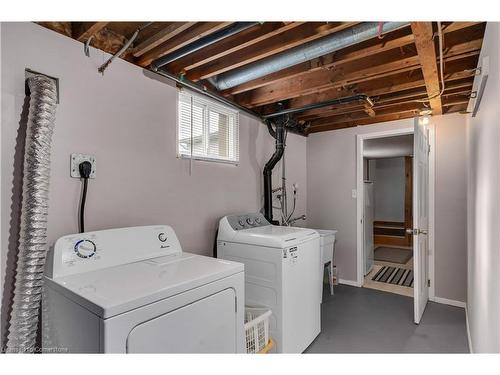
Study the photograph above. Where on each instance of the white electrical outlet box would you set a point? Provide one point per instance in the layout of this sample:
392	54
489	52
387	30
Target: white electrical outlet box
354	193
76	159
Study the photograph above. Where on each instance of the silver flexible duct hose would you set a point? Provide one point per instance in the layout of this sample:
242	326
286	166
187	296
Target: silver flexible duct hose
33	231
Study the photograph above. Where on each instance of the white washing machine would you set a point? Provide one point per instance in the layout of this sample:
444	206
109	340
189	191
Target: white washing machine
282	273
133	290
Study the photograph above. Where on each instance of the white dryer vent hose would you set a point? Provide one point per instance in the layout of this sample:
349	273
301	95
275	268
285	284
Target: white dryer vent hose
33	246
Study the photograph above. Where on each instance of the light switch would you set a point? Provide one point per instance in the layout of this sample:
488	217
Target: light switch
354	193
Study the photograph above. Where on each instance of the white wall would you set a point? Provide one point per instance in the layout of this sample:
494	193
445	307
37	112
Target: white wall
331	176
128	121
389	189
483	223
450	208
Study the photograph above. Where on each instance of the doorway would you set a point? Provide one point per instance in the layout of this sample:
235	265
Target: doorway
387	213
421	231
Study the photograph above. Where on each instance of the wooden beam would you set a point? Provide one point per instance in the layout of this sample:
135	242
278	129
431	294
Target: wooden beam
230	45
461	88
455	26
190	35
424	41
321	80
457	68
279	43
165	34
324	62
64	28
339	58
364	121
404	111
82	31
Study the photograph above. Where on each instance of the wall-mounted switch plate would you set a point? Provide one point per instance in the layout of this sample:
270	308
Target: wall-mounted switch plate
354	193
76	159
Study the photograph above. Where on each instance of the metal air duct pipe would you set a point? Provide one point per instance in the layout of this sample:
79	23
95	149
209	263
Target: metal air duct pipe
33	231
305	52
205	41
279	135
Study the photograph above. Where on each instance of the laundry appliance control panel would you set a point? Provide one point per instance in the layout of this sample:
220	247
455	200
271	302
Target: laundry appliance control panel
246	221
84	252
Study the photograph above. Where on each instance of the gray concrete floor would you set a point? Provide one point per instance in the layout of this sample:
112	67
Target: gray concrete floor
360	320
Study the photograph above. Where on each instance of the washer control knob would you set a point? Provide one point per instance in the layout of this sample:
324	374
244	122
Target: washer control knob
162	237
257	220
250	221
241	222
85	248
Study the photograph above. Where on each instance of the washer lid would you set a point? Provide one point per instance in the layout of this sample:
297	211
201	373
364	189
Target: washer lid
272	236
111	291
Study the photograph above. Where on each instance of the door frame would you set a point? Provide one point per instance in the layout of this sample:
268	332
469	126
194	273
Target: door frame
360	198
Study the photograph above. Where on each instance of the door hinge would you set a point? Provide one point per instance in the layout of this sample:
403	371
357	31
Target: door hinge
428	283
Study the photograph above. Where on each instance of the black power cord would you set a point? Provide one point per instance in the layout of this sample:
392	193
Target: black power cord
85	169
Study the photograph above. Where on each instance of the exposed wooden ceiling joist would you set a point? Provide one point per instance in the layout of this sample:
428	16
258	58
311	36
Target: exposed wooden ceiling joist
342	57
404	111
232	44
165	34
455	70
461	88
82	31
190	35
397	71
304	33
317	81
324	62
424	41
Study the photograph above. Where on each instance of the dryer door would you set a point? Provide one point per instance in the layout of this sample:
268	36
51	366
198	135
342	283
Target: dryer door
205	326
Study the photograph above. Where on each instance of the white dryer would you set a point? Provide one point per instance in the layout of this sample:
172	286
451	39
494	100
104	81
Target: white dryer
282	273
133	290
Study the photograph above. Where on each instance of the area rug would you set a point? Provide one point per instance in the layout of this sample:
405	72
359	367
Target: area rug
394	275
393	254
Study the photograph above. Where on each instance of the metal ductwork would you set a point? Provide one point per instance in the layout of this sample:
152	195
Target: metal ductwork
279	136
305	52
33	246
203	42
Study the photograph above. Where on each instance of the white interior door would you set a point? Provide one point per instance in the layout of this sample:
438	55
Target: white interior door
420	216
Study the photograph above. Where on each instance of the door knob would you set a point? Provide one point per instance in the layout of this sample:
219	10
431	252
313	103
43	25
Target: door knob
416	231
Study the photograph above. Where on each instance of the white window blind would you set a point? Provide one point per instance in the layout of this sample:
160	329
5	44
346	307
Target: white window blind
207	130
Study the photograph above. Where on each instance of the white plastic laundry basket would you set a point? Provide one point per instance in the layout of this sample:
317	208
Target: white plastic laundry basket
256	328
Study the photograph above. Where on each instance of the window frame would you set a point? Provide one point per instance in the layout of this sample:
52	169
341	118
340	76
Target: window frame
209	105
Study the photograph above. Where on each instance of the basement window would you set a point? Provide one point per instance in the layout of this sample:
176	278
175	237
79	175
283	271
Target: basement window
207	130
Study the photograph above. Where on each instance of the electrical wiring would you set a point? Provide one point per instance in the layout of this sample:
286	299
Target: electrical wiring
85	170
125	47
82	205
294	205
441	67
